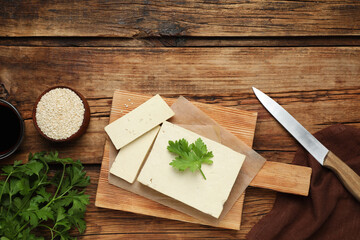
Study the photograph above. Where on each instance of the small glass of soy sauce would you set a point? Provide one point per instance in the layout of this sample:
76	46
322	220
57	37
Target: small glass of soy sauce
11	129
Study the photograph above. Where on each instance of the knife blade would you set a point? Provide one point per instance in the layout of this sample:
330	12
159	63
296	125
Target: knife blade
325	157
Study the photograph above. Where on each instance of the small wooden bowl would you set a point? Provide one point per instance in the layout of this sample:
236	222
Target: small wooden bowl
83	126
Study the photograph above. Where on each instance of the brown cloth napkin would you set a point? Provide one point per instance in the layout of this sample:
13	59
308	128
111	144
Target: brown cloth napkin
330	211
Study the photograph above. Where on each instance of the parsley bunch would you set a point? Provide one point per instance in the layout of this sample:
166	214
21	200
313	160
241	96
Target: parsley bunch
190	156
27	203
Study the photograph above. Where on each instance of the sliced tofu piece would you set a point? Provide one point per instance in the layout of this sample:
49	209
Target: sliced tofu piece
131	157
207	196
139	121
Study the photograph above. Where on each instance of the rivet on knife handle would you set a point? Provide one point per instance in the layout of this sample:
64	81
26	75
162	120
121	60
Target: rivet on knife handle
347	176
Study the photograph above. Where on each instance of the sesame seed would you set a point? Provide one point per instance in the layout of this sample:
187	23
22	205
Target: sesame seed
60	113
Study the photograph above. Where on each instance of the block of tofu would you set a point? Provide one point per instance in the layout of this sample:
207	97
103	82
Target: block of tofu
131	157
139	121
207	196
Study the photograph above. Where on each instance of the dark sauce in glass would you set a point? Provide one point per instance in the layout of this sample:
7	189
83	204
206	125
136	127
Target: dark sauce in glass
10	128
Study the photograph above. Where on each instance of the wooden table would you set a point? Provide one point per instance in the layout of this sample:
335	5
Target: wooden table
304	54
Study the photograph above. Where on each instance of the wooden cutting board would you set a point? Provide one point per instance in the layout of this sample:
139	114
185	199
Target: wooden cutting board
240	123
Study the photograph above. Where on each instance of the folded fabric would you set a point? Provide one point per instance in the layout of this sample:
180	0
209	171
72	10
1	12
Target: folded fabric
330	211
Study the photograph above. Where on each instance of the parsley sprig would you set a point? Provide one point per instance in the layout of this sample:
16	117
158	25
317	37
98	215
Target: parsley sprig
27	203
190	156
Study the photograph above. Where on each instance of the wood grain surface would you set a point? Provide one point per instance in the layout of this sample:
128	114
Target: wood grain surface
319	86
144	18
182	41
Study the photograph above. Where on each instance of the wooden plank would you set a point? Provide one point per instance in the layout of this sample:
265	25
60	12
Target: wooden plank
213	73
223	76
182	41
137	18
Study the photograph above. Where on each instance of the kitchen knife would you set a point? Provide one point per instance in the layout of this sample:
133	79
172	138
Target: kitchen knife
325	157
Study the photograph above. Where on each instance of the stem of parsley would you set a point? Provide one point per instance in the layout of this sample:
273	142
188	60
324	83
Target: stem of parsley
63	193
7	179
59	186
21	229
57	190
202	173
51	230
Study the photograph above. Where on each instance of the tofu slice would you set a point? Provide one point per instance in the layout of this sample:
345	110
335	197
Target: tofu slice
130	157
207	196
139	121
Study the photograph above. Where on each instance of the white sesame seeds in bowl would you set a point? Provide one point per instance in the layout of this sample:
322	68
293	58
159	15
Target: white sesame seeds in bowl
61	114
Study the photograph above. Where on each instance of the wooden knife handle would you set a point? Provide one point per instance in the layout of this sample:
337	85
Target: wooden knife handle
347	176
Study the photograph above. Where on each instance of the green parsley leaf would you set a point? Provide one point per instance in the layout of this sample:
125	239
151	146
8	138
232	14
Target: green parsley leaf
45	213
44	194
7	169
190	156
32	167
